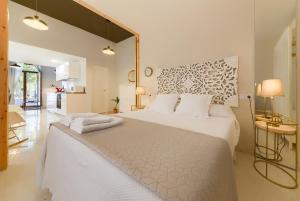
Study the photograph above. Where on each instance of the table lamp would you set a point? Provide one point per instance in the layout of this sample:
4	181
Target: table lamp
140	91
270	89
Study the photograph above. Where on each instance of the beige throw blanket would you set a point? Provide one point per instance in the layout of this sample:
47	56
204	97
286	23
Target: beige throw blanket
175	164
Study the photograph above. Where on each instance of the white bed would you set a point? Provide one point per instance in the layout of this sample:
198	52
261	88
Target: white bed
89	177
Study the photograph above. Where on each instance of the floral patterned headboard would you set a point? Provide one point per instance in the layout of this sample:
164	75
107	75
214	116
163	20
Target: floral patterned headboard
216	77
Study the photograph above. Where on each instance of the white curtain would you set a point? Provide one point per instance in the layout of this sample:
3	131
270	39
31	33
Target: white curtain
14	76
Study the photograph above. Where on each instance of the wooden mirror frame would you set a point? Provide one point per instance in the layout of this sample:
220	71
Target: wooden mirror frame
4	72
137	42
3	84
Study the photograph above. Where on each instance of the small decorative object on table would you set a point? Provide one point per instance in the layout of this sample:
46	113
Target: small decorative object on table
117	101
269	154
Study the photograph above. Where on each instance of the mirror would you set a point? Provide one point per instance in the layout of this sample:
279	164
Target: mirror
275	57
86	59
275	149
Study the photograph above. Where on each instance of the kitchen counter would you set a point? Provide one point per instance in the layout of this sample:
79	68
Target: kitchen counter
74	92
69	102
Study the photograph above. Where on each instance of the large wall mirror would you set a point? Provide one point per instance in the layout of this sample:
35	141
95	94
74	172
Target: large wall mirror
276	92
275	58
90	55
65	57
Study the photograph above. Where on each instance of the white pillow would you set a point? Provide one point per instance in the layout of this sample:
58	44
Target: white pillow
194	105
164	103
220	110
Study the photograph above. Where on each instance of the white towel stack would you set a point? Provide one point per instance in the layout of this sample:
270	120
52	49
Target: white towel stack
88	122
67	120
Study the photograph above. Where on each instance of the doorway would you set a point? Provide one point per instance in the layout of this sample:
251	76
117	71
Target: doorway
27	92
32	86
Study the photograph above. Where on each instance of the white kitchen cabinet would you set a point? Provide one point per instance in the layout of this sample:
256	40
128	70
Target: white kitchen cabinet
59	73
68	70
51	101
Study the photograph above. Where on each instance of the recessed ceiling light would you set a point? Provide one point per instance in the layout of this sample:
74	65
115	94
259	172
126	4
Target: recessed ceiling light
54	61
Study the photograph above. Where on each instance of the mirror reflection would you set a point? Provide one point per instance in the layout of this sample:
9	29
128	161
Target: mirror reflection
275	151
275	57
68	64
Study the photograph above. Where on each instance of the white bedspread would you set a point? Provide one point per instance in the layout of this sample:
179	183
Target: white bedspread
226	128
73	172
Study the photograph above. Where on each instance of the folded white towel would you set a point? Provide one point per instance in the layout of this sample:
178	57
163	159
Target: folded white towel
67	120
85	121
94	127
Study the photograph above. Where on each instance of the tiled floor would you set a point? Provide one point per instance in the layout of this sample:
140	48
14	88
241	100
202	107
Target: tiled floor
19	182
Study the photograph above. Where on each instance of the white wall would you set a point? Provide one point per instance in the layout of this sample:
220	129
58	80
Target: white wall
187	31
125	61
68	39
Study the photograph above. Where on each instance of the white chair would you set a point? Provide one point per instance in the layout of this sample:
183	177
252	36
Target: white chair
15	121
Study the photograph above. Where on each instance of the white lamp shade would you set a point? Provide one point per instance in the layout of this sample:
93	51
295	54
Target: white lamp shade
140	91
108	51
36	23
258	90
271	88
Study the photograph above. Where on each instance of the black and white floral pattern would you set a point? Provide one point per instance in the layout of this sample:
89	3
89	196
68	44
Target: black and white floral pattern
218	78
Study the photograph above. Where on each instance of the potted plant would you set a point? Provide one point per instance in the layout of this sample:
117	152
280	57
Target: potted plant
117	101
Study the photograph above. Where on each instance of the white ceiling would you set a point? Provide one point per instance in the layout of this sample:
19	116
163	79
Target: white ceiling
272	16
22	53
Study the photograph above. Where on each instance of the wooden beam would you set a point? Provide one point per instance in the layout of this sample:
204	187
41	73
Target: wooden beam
3	85
137	69
93	9
137	41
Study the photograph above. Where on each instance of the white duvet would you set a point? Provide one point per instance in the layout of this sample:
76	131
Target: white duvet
73	172
226	128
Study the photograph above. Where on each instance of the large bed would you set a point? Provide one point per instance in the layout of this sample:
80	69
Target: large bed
73	171
155	154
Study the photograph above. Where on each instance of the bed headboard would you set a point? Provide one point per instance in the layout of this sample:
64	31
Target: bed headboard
216	77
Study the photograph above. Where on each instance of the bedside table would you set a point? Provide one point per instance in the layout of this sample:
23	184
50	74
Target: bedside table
269	152
261	117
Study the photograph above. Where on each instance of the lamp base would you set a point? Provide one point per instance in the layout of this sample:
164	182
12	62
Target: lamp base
140	107
137	107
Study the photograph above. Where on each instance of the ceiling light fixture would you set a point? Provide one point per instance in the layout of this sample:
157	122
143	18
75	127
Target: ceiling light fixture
15	65
108	50
35	22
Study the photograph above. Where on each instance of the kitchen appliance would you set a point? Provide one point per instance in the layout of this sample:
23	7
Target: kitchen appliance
58	100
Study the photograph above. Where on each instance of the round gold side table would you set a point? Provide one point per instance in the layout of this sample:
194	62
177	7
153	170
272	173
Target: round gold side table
270	153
